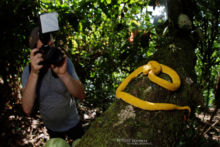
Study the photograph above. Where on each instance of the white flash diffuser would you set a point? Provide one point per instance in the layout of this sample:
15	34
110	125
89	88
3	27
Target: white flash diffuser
49	22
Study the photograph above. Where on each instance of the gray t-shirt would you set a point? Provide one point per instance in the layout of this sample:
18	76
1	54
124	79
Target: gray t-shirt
57	107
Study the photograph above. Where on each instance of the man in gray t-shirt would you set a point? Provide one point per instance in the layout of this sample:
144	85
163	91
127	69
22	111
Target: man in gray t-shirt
54	90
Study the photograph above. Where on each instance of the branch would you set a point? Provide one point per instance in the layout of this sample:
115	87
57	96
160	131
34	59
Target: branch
210	127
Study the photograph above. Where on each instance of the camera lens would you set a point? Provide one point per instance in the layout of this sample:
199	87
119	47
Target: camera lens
55	56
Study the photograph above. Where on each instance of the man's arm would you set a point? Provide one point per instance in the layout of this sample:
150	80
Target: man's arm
29	91
74	87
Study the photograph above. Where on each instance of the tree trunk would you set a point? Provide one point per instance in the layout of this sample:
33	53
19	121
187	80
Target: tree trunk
123	124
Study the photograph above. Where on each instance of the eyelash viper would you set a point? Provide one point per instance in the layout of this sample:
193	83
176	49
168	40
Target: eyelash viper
152	68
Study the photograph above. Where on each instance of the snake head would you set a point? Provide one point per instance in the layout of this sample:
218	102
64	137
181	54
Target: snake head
155	67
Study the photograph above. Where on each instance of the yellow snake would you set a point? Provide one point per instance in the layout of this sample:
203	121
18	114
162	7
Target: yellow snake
152	68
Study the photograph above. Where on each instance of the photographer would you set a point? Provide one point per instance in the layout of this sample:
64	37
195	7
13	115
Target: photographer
54	89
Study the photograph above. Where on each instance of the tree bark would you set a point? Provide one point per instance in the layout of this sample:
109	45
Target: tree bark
123	124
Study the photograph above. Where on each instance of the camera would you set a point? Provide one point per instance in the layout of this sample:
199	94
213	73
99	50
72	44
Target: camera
50	55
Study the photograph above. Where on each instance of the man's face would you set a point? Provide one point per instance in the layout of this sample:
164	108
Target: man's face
50	43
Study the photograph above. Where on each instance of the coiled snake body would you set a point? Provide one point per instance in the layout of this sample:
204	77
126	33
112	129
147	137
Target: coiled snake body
152	69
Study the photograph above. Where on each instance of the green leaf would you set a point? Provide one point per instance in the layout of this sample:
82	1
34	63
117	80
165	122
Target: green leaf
133	1
216	45
109	1
80	27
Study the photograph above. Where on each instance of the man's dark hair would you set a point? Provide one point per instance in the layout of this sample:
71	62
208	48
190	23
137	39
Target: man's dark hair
34	37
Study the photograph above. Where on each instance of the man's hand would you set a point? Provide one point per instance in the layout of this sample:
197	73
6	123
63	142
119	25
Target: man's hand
35	60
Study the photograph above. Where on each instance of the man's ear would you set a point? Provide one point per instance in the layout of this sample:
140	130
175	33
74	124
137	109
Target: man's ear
39	44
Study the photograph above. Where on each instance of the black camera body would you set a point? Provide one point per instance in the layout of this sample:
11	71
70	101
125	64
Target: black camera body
50	55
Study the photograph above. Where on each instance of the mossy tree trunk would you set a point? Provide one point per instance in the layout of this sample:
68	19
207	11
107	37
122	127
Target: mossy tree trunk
123	124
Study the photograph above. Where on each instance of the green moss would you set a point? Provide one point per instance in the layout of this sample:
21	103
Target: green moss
139	134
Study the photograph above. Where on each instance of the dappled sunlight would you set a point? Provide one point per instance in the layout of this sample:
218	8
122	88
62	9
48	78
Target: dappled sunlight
106	41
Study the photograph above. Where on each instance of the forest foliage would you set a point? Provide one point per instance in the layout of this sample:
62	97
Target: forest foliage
106	40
